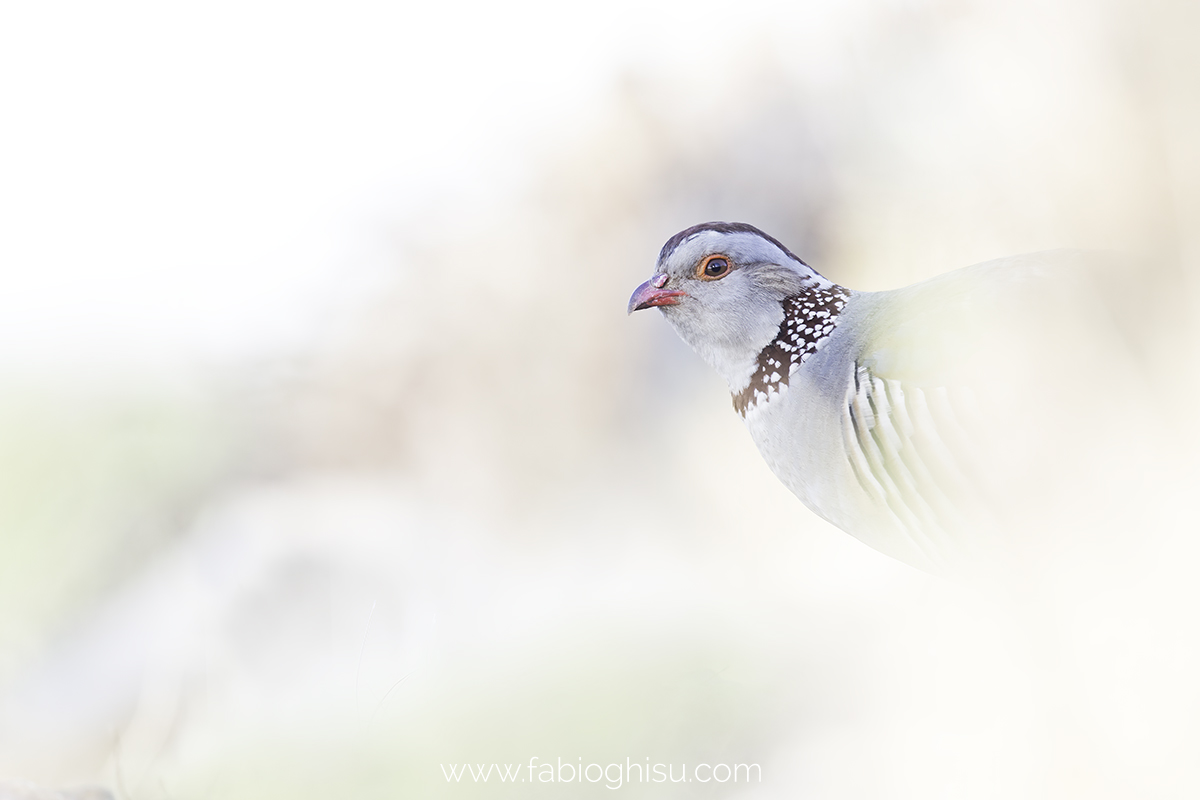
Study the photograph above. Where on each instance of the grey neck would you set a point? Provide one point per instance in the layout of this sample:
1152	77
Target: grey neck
808	319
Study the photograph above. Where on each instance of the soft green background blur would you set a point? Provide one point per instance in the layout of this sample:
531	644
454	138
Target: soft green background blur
328	455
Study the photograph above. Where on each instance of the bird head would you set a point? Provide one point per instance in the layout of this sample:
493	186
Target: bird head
721	285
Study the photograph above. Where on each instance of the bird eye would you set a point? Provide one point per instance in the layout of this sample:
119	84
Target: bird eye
712	268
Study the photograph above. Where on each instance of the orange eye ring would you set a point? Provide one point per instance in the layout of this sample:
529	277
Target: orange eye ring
714	267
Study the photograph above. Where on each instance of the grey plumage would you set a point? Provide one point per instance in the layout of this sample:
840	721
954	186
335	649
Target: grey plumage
912	418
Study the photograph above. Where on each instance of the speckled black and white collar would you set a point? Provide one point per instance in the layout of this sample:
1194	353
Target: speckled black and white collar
808	319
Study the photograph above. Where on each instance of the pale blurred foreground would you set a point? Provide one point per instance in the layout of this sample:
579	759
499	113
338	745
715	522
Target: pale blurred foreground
494	519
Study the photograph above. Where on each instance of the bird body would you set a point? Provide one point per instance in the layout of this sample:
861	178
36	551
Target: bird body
907	418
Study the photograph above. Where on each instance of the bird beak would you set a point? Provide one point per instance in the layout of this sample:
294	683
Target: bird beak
651	293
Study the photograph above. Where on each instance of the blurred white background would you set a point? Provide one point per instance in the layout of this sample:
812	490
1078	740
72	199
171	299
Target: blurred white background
328	455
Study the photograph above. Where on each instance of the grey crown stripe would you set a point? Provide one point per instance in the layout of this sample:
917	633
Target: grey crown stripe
719	227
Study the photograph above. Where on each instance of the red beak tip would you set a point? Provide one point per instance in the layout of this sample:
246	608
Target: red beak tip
649	296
